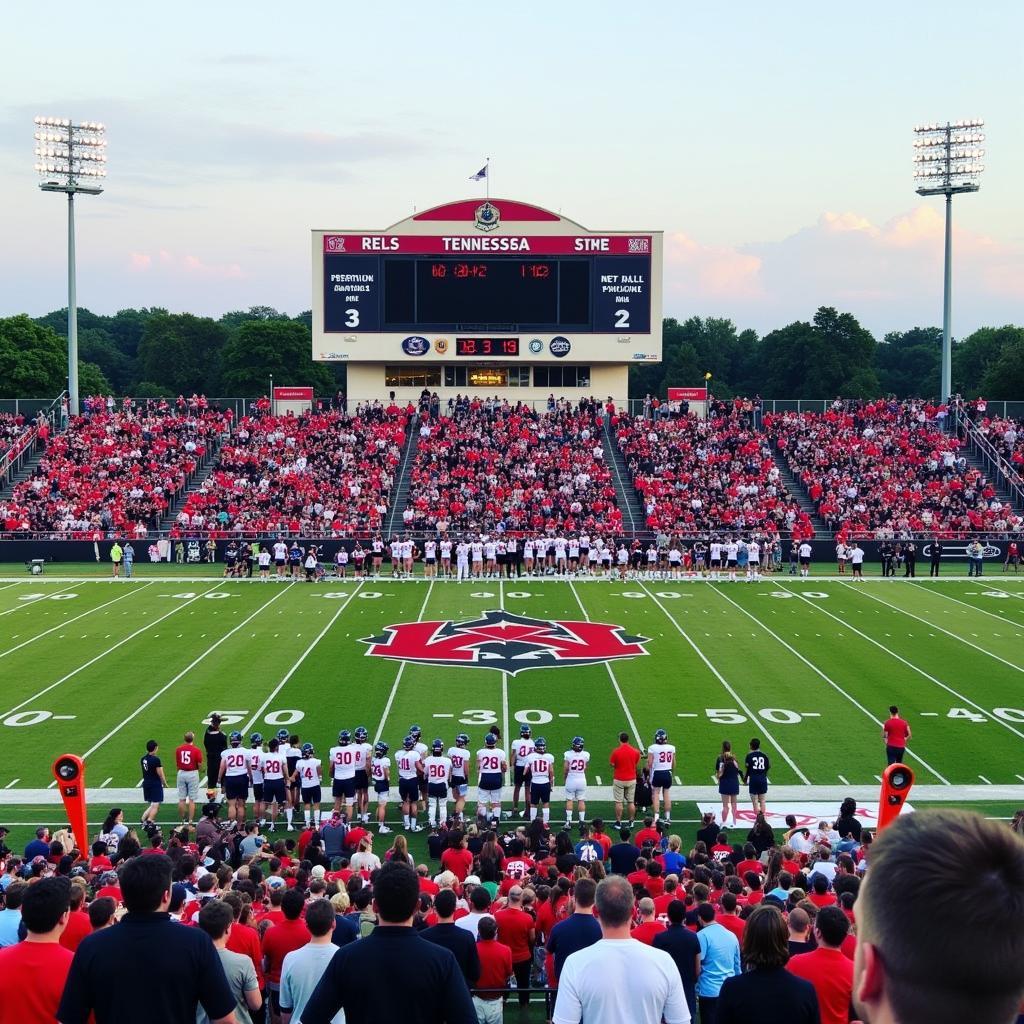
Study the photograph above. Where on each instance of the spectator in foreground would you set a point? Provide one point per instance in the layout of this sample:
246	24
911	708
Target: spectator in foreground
216	919
719	960
146	961
304	967
619	979
827	967
767	992
906	969
459	941
496	971
361	978
682	945
33	972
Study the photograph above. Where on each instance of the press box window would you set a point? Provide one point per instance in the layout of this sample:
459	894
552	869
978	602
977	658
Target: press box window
412	376
487	376
561	376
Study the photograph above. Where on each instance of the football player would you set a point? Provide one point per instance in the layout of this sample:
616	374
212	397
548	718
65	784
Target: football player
661	759
342	759
410	768
522	748
459	756
234	777
272	768
575	768
292	757
308	774
380	769
255	755
542	765
284	748
437	770
421	748
364	752
491	766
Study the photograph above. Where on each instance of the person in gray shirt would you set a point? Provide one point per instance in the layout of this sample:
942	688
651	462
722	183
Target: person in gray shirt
253	841
216	918
303	967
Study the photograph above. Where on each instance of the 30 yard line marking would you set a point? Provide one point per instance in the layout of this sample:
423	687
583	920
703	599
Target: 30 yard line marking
950	633
920	671
103	654
41	597
831	682
184	672
67	622
735	696
399	674
966	604
611	674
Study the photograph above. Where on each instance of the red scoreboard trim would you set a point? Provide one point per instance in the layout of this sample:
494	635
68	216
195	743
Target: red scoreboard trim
489	245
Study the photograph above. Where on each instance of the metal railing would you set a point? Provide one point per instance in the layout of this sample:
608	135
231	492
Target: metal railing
994	461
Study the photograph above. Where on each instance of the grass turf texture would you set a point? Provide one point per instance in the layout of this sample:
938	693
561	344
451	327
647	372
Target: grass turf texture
98	668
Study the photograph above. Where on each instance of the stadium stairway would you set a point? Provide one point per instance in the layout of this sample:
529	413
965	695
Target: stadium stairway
795	486
400	492
204	470
629	501
7	486
997	480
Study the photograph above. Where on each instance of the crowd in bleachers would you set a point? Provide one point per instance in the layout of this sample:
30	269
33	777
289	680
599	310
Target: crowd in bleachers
493	466
713	474
114	470
324	473
1007	437
886	467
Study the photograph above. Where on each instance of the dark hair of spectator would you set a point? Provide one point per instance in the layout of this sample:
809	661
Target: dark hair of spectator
44	903
144	881
765	939
396	891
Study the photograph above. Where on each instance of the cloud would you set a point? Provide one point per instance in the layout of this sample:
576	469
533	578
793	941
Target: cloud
185	266
889	275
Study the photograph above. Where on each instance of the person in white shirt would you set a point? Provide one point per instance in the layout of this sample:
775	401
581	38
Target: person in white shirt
380	770
542	767
303	967
396	557
429	559
459	757
753	560
841	554
408	554
446	559
491	765
731	551
476	551
619	979
857	560
462	561
661	760
574	764
715	559
410	767
490	558
528	556
622	557
522	748
805	558
308	774
560	547
341	561
264	562
437	768
280	557
342	759
272	768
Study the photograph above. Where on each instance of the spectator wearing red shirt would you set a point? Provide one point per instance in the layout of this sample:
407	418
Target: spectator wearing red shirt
280	939
495	968
597	833
33	972
826	968
244	939
516	930
896	733
624	760
649	926
648	834
457	858
427	884
187	760
729	919
78	925
750	861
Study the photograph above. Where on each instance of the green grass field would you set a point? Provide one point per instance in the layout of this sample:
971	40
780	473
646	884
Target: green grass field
810	666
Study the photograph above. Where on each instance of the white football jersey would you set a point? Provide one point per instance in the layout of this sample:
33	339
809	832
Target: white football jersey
272	766
437	769
664	756
309	772
255	766
576	762
459	757
522	748
380	768
237	761
407	760
343	761
541	767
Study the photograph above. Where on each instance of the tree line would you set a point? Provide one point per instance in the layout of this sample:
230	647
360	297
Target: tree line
153	352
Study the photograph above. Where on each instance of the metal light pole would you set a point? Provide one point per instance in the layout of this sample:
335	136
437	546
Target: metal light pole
70	158
946	162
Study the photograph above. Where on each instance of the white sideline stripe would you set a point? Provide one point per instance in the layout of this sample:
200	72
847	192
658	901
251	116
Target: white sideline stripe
814	668
28	604
109	650
53	629
302	657
909	664
735	696
984	611
398	676
955	636
184	672
611	674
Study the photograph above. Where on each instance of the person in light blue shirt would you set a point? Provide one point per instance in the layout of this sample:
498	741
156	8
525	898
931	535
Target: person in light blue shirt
129	560
10	916
303	967
719	960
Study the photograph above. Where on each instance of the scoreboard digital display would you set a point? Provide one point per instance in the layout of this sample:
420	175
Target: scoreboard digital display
487	347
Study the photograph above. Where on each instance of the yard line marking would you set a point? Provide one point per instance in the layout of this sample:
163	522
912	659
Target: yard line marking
878	778
7	586
973	607
568	714
843	780
831	682
181	675
948	632
52	784
53	629
912	666
443	715
103	654
401	667
983	779
679	781
929	714
611	674
1021	777
34	601
138	784
12	783
106	782
598	777
504	675
687	714
735	696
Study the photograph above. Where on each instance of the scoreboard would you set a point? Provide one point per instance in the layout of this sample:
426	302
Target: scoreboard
490	280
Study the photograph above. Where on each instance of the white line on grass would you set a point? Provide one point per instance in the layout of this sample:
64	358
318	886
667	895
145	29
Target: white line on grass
109	650
7	586
735	696
817	671
34	601
184	672
933	625
974	607
986	781
611	674
398	675
899	657
504	675
844	780
106	782
53	629
12	783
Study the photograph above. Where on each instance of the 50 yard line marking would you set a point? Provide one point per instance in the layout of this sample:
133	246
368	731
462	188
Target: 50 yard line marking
899	657
53	629
109	650
817	671
399	674
611	674
163	689
735	696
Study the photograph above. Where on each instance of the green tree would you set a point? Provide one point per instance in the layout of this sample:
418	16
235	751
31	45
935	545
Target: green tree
91	380
973	356
908	362
182	352
234	319
282	348
1004	377
33	359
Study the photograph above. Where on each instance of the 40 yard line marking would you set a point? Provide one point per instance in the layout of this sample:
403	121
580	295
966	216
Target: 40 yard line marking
974	608
184	672
817	671
611	674
109	650
398	675
899	657
53	629
735	696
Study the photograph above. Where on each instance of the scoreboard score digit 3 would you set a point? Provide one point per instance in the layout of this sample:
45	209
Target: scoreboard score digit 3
483	347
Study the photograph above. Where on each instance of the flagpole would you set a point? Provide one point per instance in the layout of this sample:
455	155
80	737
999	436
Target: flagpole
487	178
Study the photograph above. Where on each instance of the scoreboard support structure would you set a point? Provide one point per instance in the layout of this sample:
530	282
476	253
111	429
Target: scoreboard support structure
493	297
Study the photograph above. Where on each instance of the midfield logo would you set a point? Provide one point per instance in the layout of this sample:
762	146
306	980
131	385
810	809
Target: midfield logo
506	642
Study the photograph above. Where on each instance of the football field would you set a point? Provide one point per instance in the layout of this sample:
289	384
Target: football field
810	667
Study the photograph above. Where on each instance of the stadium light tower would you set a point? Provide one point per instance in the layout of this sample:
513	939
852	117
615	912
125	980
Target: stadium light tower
70	158
946	162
